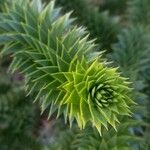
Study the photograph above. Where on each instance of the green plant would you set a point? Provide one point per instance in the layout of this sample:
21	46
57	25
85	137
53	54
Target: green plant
139	14
114	6
139	11
87	139
132	55
100	25
2	4
56	60
17	116
132	52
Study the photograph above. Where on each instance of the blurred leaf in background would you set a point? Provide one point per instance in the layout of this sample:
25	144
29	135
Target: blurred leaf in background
115	7
100	25
89	138
139	12
18	116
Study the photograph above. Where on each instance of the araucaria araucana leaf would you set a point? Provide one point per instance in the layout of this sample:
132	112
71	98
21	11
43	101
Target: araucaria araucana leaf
54	56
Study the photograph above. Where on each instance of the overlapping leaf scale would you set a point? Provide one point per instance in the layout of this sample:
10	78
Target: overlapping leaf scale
83	76
53	54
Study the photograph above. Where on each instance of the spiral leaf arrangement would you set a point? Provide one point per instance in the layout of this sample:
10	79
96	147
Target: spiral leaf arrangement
55	57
